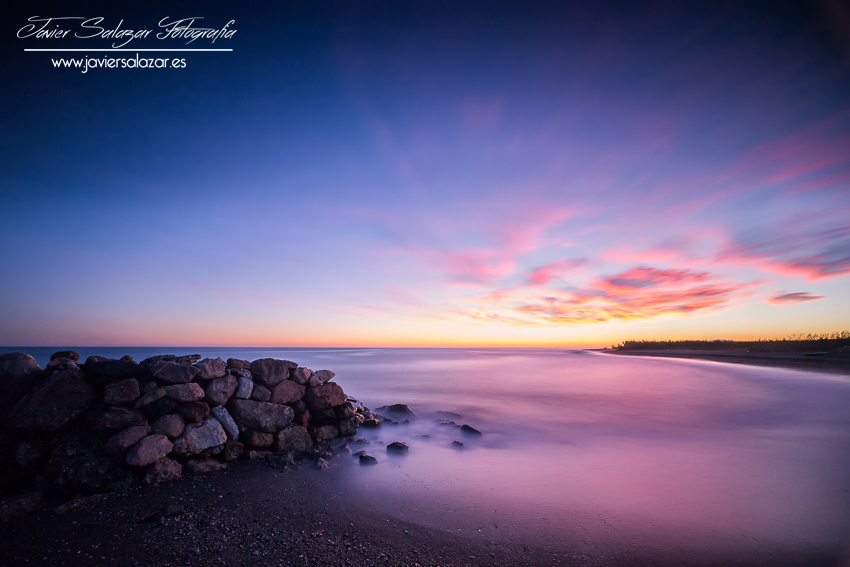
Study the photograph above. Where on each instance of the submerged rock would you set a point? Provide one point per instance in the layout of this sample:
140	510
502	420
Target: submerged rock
469	430
398	448
397	411
368	460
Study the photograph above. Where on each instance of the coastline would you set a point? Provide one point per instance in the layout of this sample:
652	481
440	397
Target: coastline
253	514
796	361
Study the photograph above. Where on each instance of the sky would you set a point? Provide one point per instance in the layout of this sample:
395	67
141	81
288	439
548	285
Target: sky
417	173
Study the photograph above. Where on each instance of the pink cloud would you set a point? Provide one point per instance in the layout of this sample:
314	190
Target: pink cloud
638	293
552	270
790	298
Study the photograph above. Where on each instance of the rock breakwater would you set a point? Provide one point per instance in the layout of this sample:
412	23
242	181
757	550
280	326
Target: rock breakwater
81	428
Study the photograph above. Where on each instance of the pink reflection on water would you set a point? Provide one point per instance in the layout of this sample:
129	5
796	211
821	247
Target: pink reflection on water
613	448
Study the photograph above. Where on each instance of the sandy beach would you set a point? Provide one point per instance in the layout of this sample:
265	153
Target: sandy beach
797	360
255	514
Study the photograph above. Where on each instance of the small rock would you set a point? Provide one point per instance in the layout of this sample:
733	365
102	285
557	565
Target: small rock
469	430
163	470
368	460
348	427
258	439
149	450
322	464
398	448
457	444
396	411
232	451
324	433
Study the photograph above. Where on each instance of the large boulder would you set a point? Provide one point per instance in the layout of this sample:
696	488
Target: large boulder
190	392
211	368
287	392
198	437
54	403
260	416
149	450
174	373
219	390
295	439
19	373
270	371
325	396
122	392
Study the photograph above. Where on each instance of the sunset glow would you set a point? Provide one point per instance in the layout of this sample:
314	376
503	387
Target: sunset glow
542	176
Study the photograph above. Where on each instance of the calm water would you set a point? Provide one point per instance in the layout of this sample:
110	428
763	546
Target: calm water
594	446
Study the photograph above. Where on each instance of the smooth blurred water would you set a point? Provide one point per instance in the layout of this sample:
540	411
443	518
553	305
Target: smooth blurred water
587	445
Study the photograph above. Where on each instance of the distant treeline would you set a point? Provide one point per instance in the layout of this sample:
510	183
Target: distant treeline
793	343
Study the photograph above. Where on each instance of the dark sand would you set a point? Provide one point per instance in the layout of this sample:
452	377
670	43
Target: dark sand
796	360
253	514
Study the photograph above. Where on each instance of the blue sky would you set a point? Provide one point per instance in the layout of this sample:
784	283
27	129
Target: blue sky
380	173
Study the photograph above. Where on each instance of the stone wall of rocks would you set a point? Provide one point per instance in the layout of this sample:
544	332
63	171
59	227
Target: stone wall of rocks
75	428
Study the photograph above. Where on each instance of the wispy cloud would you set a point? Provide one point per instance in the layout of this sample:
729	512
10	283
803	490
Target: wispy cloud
789	298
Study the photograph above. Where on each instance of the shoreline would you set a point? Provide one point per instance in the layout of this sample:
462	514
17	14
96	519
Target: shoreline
253	514
795	361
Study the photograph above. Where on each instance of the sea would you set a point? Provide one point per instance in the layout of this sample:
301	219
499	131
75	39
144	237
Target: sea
590	447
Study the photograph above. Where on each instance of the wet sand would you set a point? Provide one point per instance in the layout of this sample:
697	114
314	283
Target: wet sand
253	514
796	360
